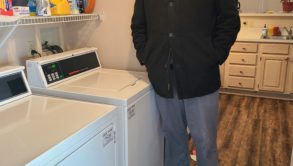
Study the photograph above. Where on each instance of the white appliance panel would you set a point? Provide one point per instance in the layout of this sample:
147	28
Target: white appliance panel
97	151
131	92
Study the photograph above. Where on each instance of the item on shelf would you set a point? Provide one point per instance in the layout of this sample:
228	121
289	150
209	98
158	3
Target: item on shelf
289	32
276	31
80	5
73	6
264	32
89	6
6	7
287	6
19	3
20	11
270	31
32	7
50	49
35	54
60	7
43	8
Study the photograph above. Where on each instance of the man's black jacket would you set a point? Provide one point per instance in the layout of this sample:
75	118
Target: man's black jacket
198	33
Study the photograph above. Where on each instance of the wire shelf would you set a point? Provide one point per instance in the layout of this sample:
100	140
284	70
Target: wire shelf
6	21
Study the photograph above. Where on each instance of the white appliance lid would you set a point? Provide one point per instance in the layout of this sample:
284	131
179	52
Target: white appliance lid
117	87
34	124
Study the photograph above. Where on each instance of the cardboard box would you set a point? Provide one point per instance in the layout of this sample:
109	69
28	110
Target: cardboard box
20	11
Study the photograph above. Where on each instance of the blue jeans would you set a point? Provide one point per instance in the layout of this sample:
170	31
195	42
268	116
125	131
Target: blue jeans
200	114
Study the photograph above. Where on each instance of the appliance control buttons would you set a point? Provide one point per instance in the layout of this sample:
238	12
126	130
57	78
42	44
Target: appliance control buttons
49	77
56	74
53	76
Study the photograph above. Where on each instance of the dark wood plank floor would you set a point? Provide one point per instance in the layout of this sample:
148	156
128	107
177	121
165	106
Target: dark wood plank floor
254	131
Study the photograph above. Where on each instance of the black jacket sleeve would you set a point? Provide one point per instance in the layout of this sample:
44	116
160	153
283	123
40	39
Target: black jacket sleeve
226	29
138	27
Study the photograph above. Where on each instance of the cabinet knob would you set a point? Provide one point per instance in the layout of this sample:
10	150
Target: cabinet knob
243	48
243	60
240	83
241	72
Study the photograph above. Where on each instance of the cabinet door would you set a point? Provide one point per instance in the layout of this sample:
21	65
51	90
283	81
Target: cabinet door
273	72
222	70
289	80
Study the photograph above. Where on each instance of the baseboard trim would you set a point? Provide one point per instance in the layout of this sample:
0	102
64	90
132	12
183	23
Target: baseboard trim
262	94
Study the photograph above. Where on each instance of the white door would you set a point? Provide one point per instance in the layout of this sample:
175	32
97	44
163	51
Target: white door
222	70
100	150
289	78
273	72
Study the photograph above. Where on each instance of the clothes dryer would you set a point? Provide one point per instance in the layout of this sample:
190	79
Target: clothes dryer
78	74
37	130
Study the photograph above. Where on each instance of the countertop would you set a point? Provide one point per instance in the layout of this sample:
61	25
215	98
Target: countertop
264	40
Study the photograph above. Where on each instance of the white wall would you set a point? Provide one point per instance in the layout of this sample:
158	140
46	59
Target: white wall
112	36
14	50
254	24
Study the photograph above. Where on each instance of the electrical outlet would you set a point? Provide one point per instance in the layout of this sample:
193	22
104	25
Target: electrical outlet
30	45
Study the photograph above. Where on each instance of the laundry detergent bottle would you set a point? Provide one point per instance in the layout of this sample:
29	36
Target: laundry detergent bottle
60	7
43	8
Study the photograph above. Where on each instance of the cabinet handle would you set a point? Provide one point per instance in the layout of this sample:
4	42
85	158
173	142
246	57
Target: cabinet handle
243	60
243	48
241	72
240	83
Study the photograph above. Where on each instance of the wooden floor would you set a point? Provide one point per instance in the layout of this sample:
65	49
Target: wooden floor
254	131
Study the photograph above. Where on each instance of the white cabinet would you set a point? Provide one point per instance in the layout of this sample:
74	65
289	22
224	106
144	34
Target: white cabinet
240	67
289	77
273	66
259	67
289	82
272	72
222	71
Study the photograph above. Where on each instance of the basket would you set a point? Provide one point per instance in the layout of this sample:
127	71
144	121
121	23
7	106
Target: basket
287	6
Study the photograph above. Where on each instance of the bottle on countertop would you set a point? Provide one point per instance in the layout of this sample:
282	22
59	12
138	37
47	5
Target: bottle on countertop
264	32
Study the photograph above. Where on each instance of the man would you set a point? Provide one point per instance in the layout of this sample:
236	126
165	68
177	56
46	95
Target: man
182	43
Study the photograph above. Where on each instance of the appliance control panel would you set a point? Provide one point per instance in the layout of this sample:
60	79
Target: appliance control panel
73	65
52	72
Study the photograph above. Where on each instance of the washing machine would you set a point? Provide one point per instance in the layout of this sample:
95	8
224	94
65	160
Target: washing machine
39	131
78	75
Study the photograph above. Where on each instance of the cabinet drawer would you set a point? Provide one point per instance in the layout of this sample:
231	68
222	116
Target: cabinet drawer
244	47
274	48
240	82
241	58
237	70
